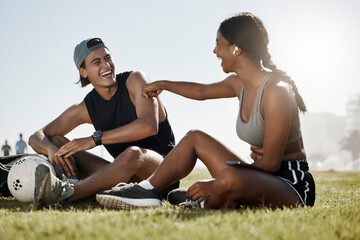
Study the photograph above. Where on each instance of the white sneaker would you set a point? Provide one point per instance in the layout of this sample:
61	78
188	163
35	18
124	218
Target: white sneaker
49	189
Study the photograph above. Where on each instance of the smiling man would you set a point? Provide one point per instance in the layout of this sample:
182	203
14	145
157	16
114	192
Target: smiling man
134	130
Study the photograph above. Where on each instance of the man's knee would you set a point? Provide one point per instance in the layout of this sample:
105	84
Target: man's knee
130	157
58	140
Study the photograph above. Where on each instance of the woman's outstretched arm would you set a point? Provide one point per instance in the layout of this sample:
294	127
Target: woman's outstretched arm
197	91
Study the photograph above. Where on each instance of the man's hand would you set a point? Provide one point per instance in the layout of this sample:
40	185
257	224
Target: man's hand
61	156
76	145
200	190
62	165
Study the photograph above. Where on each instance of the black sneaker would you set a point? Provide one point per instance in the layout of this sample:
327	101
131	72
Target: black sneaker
129	196
180	197
190	204
177	196
4	172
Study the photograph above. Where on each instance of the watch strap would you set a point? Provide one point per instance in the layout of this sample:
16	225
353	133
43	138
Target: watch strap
97	137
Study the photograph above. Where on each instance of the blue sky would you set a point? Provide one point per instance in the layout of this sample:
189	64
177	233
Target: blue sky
316	42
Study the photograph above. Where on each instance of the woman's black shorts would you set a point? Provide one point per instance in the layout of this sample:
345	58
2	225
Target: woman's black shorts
295	173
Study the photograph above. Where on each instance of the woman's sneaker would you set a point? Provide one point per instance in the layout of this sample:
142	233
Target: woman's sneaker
177	196
129	196
180	198
190	204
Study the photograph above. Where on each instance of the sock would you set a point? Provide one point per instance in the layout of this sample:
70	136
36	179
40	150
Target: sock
146	184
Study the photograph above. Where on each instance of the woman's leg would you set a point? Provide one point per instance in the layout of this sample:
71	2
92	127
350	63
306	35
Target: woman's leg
181	160
253	188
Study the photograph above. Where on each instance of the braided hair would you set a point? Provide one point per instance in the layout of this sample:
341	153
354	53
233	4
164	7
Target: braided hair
247	31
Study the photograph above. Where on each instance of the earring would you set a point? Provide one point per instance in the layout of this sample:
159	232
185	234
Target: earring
235	50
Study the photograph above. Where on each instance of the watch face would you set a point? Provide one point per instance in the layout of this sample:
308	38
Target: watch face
97	137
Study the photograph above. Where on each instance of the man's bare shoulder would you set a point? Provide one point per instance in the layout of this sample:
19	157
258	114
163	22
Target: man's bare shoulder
136	81
78	112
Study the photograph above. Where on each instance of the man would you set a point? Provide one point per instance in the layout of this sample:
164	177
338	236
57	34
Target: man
135	131
6	148
20	145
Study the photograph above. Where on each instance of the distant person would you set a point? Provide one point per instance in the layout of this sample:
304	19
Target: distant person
133	129
6	149
21	145
268	119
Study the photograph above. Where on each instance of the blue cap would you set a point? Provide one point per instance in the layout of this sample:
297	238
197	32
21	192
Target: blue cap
85	48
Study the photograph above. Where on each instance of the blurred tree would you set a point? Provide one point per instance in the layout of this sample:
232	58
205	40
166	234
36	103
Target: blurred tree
352	143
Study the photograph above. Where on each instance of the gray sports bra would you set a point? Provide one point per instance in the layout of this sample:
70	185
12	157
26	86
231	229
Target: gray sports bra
252	131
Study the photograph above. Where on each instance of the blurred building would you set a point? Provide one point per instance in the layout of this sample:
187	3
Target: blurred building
321	130
322	133
352	121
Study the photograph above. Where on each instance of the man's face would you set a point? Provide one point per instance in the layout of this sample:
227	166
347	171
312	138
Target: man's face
99	68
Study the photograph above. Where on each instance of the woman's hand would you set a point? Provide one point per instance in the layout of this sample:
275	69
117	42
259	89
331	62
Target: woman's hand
256	153
152	90
200	190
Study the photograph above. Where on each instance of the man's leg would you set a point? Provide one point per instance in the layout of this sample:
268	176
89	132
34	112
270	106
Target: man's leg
134	164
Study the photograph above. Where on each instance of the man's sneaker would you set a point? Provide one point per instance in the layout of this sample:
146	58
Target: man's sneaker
49	189
129	196
4	189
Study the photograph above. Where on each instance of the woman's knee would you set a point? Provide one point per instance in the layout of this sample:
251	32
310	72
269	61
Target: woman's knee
228	181
194	134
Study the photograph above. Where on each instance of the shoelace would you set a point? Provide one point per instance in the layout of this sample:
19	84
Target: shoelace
62	186
122	185
190	203
66	182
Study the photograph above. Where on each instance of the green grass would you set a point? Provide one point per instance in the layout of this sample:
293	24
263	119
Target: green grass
336	215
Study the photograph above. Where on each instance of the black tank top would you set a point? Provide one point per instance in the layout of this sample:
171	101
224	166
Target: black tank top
119	111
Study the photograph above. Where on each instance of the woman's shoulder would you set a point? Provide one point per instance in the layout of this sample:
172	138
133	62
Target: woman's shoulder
234	81
232	78
277	85
277	90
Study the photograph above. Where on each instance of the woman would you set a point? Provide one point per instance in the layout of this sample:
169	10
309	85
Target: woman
268	120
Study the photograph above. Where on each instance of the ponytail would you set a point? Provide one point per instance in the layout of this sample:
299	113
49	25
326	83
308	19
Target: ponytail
267	62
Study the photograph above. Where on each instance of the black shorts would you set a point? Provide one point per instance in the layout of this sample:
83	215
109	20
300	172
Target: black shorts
295	173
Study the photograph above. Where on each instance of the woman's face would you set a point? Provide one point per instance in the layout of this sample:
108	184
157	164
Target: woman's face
99	68
224	52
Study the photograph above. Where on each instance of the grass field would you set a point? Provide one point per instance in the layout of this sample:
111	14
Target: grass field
336	215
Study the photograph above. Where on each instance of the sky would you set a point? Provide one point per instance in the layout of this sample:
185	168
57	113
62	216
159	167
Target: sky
315	42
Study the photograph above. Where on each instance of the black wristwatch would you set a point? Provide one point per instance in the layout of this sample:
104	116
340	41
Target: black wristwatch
97	137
